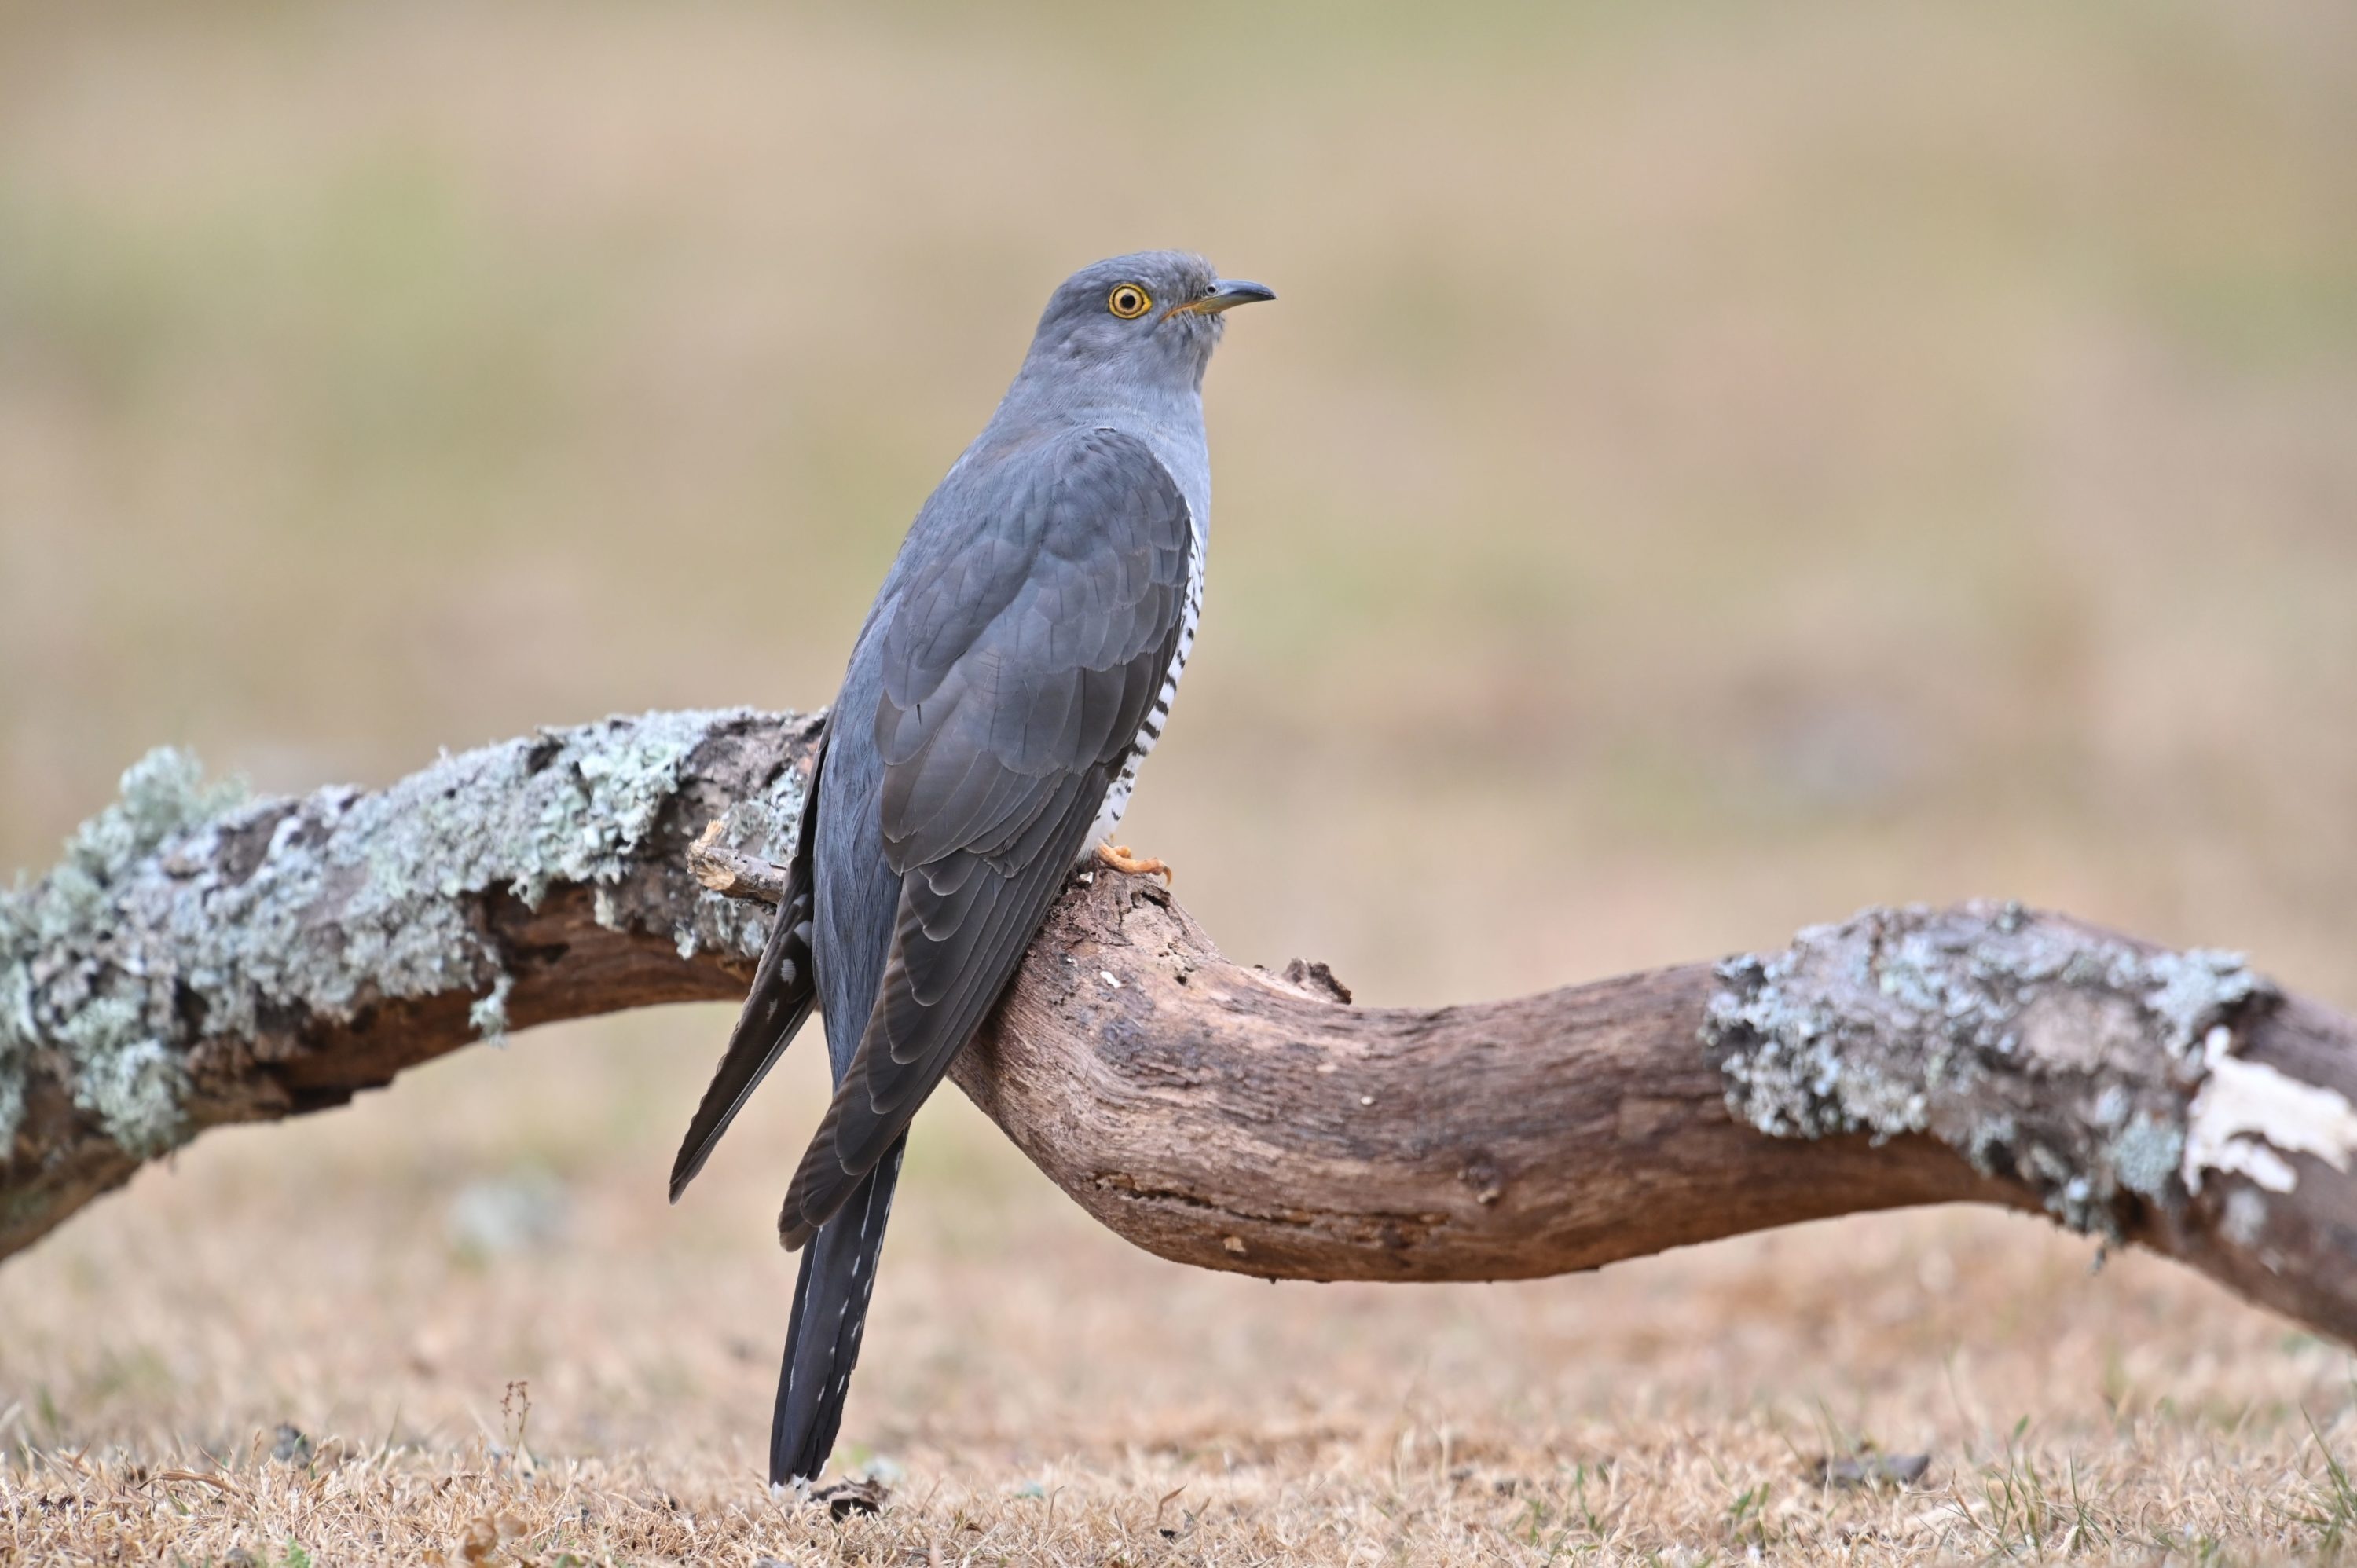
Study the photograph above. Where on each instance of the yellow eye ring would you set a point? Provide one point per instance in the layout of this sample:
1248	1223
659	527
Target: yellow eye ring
1128	301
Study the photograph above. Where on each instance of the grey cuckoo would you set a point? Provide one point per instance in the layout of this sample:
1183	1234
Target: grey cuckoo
1018	664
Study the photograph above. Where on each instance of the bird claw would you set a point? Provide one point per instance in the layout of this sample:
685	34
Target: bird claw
1117	857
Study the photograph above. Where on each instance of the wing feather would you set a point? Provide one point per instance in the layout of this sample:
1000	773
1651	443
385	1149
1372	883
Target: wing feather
1018	674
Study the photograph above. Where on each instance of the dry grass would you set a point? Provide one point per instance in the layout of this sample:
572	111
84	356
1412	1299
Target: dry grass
1036	1390
1709	470
488	1505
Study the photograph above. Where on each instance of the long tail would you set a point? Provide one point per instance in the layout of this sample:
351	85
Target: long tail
830	1297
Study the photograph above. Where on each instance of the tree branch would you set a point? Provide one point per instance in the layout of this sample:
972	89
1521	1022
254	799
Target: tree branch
200	959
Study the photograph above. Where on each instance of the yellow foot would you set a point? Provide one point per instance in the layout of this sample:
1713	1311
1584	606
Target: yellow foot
1117	857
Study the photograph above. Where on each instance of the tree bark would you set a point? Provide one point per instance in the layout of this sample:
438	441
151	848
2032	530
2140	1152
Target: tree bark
201	959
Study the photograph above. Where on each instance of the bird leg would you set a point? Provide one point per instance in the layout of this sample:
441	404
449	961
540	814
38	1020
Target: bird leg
1117	857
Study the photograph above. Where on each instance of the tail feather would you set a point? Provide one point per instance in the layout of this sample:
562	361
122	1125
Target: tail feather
831	1296
784	989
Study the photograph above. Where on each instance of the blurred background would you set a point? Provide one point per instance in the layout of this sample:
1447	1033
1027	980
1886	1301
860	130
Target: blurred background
1711	468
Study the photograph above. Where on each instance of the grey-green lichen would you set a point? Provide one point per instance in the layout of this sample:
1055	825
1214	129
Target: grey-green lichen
2042	1050
56	994
488	1017
2147	1155
187	913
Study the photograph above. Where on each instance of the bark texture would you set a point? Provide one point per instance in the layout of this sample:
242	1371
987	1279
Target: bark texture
201	959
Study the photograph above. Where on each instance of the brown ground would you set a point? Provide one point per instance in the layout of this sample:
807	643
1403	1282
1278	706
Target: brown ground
1710	469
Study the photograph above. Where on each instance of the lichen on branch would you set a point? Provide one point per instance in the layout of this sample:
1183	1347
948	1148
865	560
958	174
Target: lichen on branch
2042	1050
64	984
189	915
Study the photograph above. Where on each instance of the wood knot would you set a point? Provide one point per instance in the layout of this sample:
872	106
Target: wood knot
1314	977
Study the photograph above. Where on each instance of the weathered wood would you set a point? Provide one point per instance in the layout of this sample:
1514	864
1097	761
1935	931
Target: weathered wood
198	961
201	958
1220	1116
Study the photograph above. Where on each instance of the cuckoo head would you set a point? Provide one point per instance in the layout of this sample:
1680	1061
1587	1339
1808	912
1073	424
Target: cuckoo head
1152	317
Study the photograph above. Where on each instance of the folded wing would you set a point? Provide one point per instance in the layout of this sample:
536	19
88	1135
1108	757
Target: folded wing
1019	669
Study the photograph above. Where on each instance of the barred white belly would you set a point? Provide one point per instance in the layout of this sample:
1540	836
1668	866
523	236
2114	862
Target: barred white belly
1116	799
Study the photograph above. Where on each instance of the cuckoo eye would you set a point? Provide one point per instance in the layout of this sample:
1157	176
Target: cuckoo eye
1128	301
